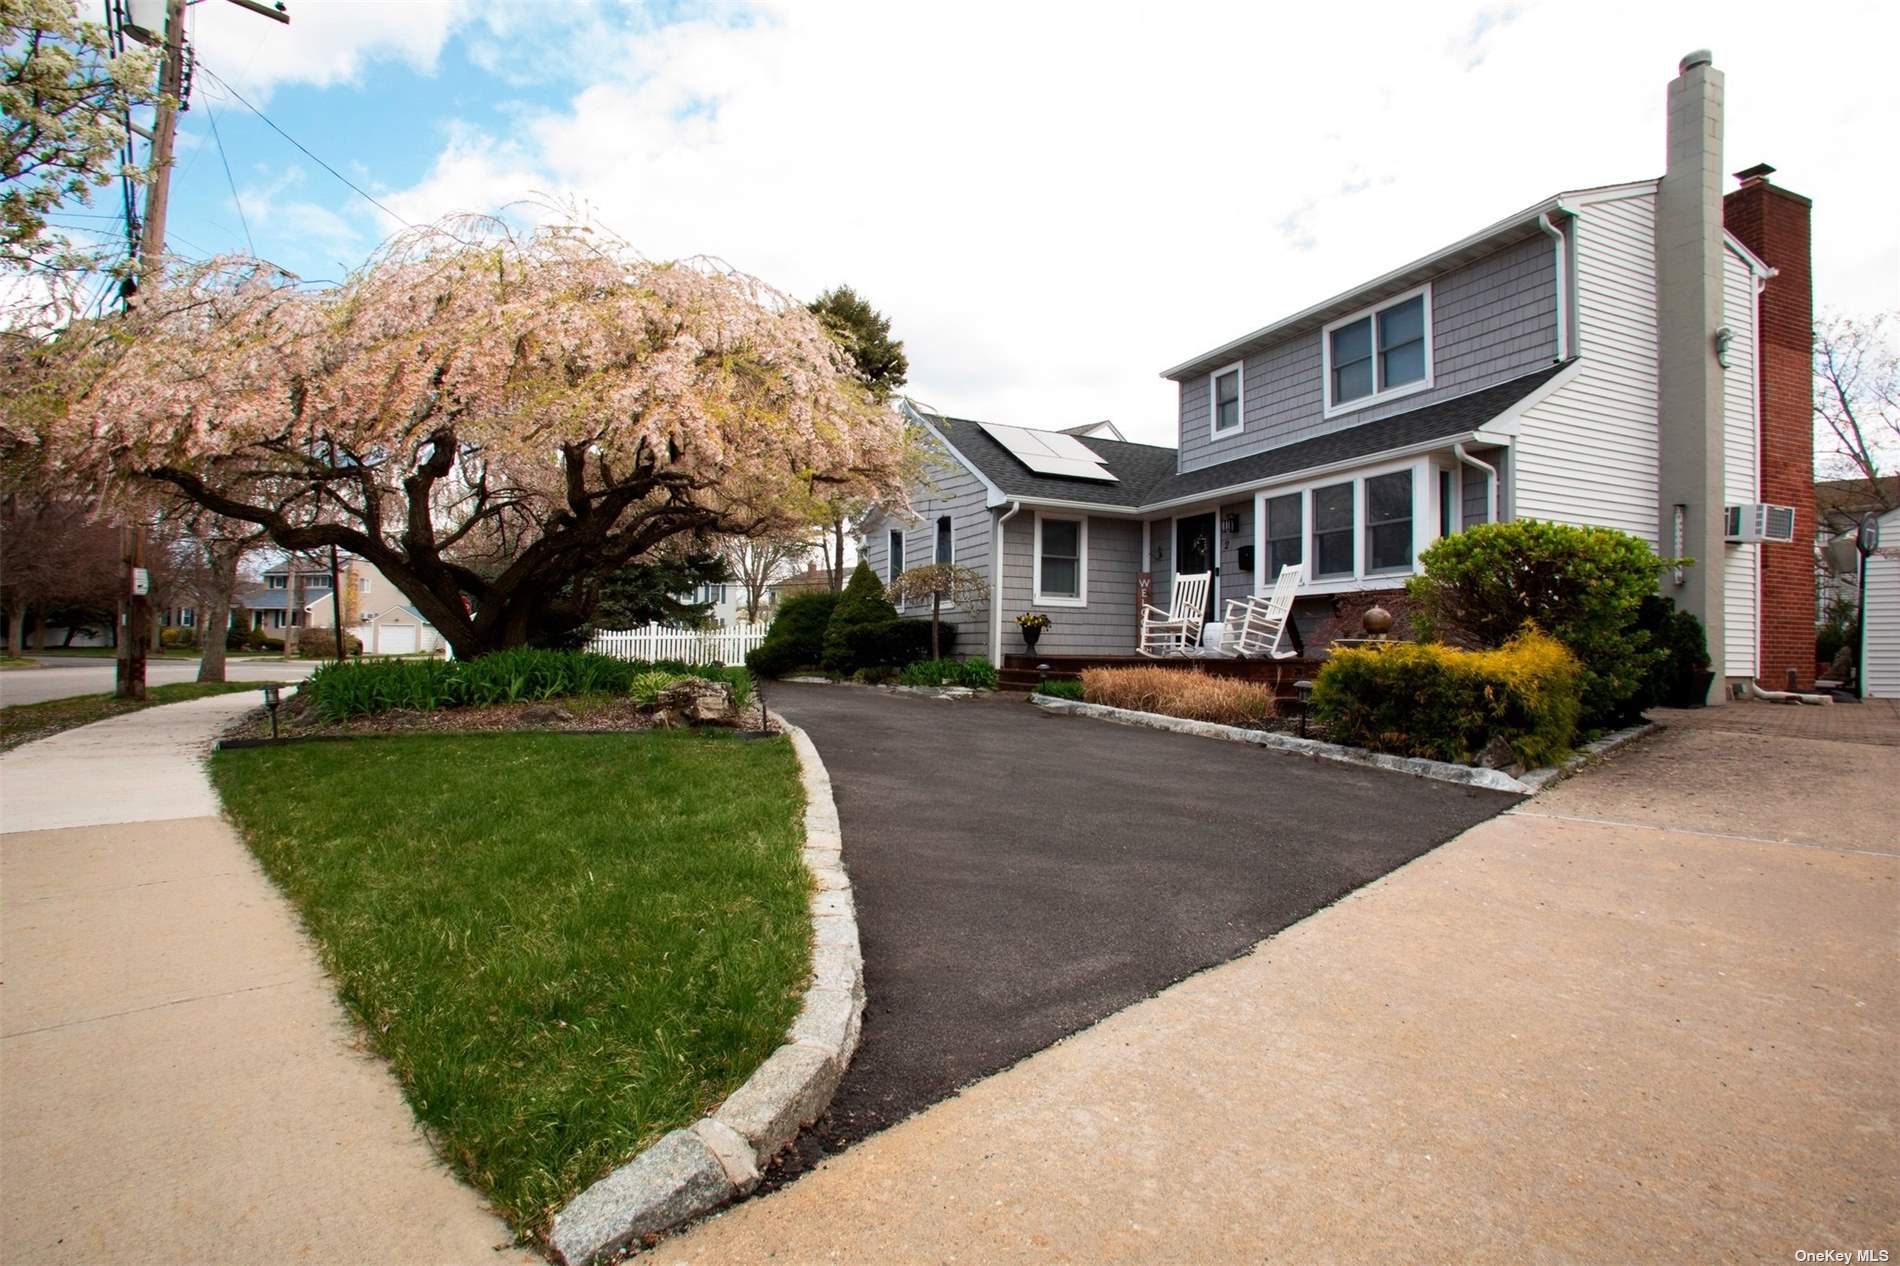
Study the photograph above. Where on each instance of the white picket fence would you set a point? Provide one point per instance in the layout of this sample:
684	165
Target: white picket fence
656	641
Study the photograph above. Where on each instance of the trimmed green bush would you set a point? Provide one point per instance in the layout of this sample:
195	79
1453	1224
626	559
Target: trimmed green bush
1439	702
796	638
978	674
1684	652
860	632
1584	586
522	675
909	641
1064	689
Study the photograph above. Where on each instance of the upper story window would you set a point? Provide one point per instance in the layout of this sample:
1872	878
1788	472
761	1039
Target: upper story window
894	565
1224	390
1380	353
946	544
277	582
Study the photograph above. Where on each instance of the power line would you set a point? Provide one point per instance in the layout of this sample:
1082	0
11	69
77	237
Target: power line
364	193
236	201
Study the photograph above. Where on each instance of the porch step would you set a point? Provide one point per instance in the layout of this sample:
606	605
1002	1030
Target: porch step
1024	680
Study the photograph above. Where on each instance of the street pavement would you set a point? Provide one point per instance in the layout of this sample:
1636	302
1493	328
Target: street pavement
62	677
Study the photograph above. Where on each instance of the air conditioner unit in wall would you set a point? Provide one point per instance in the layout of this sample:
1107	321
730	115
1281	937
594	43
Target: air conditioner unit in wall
1755	522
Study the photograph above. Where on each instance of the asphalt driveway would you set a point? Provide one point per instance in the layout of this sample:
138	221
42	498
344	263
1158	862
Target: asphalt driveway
1020	875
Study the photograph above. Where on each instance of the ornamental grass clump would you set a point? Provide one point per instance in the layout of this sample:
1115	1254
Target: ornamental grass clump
977	674
1443	703
1177	692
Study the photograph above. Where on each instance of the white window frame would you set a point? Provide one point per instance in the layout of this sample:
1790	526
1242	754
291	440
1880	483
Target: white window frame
1423	526
1214	429
1333	408
936	522
1081	598
894	550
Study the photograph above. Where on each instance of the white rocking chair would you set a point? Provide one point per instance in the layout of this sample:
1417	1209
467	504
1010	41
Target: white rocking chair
1176	631
1256	624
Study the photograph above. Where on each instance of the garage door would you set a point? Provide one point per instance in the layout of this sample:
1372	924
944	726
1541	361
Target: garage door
396	639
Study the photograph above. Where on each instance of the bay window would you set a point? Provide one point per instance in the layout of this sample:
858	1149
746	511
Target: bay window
1285	534
1333	530
1389	522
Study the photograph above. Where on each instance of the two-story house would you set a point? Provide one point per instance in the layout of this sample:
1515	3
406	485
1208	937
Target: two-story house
375	612
1633	356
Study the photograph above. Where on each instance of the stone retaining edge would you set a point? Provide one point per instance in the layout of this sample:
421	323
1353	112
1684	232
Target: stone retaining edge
1417	766
1529	784
693	1171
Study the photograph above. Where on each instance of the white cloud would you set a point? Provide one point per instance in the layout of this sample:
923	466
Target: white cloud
1053	202
327	41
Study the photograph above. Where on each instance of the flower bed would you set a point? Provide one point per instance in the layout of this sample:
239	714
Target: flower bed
342	691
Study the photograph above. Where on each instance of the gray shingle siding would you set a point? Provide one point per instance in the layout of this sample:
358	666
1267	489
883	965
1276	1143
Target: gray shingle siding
951	490
1106	626
1492	319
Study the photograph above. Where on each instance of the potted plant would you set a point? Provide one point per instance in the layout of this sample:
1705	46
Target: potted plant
1032	623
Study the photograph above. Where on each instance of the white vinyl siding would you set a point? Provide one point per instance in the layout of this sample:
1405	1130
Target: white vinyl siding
1880	625
1741	577
1588	452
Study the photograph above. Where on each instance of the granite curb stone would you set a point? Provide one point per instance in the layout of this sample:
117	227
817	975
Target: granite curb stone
1527	784
693	1171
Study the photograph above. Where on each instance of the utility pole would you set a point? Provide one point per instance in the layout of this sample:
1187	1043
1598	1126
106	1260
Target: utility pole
134	608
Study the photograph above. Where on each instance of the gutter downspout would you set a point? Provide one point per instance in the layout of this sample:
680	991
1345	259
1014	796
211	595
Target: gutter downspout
1490	480
996	585
1556	234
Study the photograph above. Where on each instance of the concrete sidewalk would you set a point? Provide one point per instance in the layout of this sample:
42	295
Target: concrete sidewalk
177	1081
1626	1022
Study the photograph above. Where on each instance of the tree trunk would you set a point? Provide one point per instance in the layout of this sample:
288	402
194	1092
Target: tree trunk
837	554
936	609
215	619
39	627
16	629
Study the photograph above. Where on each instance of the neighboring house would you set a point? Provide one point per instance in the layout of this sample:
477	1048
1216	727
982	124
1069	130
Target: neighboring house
725	603
374	611
1613	356
1839	507
1880	622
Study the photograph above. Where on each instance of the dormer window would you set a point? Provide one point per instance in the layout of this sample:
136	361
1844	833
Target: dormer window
1225	390
1380	353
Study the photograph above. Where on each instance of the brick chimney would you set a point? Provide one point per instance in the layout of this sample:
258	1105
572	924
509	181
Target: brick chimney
1689	275
1773	223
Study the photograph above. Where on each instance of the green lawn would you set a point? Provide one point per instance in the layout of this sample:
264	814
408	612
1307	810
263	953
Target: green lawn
564	944
24	722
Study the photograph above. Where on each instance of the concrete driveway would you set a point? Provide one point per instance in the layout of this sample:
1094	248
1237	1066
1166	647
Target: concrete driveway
1021	875
1648	1016
62	677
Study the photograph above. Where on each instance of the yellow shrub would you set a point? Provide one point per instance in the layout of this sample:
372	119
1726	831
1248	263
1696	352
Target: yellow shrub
1179	692
1423	699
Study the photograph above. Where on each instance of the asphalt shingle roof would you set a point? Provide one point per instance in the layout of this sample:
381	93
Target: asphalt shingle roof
1146	476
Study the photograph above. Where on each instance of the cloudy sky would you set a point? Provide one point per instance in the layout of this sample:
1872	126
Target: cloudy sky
1052	202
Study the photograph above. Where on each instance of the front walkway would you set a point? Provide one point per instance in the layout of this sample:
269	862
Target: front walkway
1649	1016
177	1081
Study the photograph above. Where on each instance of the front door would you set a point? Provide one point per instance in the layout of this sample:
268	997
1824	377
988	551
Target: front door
1194	553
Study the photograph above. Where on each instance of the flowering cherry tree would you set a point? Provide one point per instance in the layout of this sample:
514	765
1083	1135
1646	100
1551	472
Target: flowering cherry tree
492	420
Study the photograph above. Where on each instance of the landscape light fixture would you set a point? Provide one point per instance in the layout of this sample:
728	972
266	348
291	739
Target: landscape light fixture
273	698
1303	690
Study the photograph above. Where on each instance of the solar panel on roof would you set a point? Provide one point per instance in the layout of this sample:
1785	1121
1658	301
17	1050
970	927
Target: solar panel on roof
1049	453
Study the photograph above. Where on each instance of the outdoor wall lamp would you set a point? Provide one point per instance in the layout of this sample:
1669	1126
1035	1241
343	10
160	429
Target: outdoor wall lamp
1723	337
1231	521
